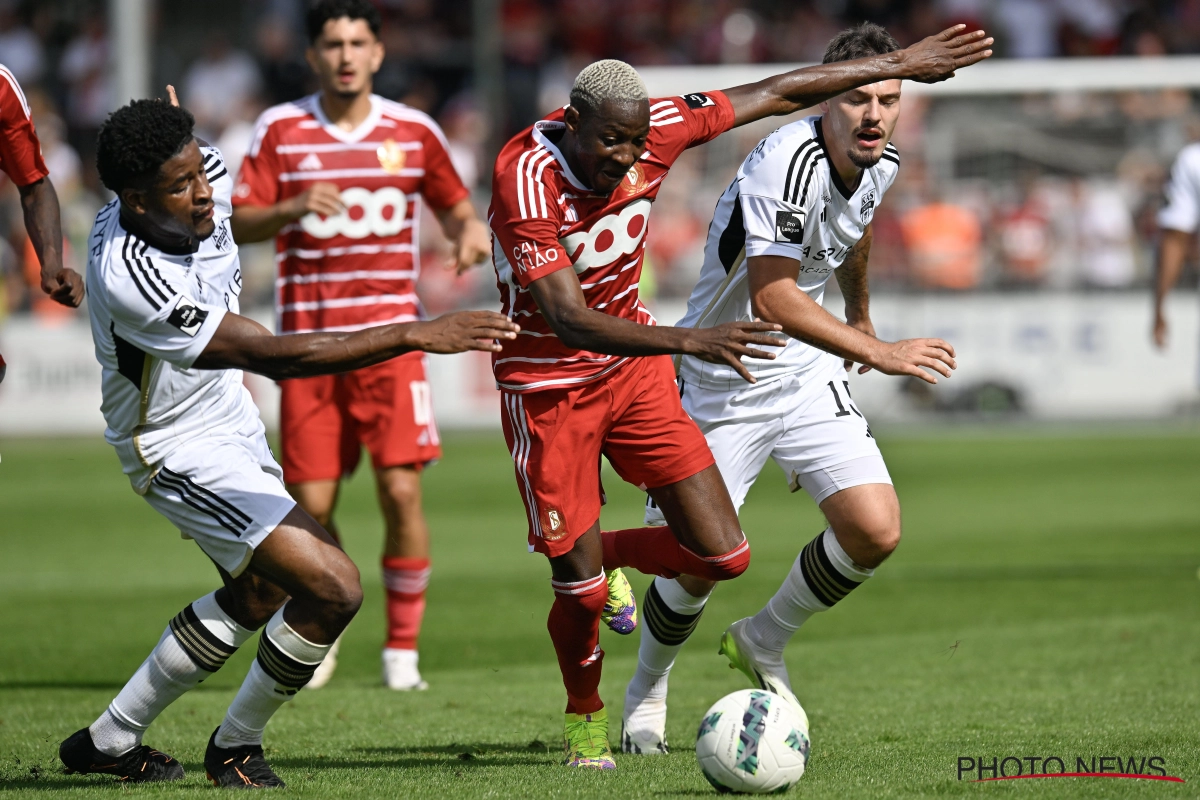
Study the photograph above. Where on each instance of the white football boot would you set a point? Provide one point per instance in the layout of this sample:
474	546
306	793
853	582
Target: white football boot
644	722
400	671
764	668
327	667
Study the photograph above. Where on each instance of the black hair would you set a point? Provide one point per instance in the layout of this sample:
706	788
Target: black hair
861	41
324	10
137	139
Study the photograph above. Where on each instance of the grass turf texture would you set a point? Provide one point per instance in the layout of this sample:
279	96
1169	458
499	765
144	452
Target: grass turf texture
1044	602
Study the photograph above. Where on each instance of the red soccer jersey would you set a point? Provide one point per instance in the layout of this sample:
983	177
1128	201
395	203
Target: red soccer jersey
545	219
20	151
359	268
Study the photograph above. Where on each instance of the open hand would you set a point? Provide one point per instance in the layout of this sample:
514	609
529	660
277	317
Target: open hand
464	330
65	286
908	356
1160	331
727	343
935	58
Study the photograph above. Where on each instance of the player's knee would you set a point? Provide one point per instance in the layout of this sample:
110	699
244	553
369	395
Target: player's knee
401	488
873	538
341	592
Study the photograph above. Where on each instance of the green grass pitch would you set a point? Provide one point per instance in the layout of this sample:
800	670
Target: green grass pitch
1044	602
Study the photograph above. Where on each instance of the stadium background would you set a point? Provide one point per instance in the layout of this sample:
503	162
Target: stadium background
1045	598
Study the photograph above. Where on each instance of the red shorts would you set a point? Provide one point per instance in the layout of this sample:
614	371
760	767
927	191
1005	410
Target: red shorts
556	437
325	421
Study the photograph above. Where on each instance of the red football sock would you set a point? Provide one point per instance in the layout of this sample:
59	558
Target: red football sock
405	580
575	630
656	551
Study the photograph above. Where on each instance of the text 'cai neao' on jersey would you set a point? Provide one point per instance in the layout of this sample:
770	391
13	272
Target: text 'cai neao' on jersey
786	200
152	314
545	219
382	212
357	268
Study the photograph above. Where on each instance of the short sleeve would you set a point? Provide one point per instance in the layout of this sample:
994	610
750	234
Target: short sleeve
441	187
775	201
677	123
258	177
150	314
1182	211
20	152
526	230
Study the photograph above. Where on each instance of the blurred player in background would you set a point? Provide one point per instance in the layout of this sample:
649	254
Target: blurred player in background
571	203
798	212
21	160
337	178
1177	223
163	283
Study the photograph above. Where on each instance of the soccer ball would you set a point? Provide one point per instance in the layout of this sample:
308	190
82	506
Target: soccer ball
753	741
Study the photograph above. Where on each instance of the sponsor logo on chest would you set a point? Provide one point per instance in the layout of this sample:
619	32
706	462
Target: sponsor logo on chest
609	238
368	213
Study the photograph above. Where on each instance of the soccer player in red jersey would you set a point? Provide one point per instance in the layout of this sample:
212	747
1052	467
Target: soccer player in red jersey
589	375
337	178
21	159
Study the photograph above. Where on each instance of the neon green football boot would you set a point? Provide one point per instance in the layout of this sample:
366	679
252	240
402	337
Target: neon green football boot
620	612
765	670
586	741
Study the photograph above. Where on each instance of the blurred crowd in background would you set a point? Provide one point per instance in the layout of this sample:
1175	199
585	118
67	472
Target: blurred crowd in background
1050	191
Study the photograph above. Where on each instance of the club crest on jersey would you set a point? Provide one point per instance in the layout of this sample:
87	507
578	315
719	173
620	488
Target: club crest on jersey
391	157
635	180
187	316
221	236
555	520
867	210
698	100
789	227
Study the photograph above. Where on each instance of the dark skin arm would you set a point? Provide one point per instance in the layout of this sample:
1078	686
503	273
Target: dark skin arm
775	297
930	60
39	202
852	280
561	301
241	343
1172	252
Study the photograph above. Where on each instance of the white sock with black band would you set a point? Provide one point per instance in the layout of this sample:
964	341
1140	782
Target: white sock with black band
285	663
197	642
821	576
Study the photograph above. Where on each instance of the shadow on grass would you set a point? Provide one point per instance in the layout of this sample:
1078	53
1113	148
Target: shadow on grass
505	754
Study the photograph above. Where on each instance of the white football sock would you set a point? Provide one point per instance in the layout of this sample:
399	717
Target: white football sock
195	645
669	615
821	576
285	663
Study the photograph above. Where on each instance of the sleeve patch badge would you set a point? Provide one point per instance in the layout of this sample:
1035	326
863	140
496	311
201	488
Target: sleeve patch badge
698	100
187	316
789	227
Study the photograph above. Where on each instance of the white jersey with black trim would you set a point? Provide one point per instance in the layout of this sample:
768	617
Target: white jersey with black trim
152	314
1182	190
784	201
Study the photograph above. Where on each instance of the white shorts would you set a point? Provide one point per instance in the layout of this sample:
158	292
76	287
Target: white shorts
225	492
808	424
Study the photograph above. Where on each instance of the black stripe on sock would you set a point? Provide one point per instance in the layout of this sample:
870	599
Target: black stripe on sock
667	625
822	577
283	669
207	651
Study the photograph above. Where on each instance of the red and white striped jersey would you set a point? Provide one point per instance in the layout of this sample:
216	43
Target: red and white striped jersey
359	268
20	151
544	219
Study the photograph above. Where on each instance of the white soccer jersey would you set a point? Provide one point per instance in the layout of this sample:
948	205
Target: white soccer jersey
152	314
1182	211
785	201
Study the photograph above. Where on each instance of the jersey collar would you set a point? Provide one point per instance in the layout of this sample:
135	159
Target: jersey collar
545	142
349	137
834	176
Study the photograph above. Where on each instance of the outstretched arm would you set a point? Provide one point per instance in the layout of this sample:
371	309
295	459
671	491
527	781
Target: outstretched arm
39	203
241	343
930	60
775	297
561	301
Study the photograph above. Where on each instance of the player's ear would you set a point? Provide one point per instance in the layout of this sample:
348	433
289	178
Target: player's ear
571	119
824	107
134	199
377	54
